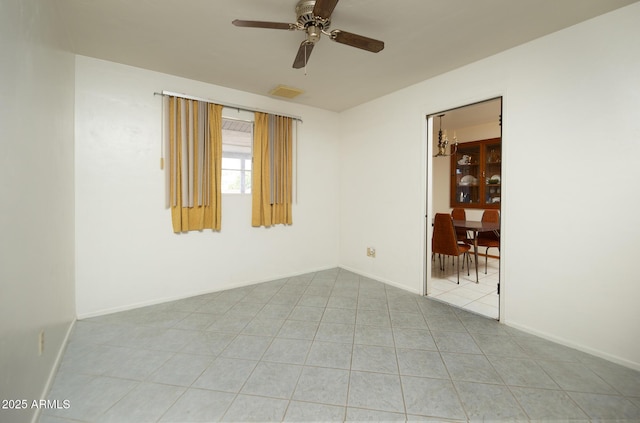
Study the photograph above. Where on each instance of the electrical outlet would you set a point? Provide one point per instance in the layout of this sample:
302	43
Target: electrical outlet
371	252
41	342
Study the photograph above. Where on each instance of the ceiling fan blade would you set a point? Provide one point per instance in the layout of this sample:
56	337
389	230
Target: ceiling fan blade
302	58
358	41
324	8
262	24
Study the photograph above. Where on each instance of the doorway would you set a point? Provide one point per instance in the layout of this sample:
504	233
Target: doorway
466	176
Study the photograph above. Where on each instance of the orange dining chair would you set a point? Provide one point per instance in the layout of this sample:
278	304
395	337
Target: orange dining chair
444	240
461	234
489	239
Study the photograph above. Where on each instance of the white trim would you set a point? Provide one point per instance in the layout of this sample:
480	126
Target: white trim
579	347
234	285
54	370
427	190
377	278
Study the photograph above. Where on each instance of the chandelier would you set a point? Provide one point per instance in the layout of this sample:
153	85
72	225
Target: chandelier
443	142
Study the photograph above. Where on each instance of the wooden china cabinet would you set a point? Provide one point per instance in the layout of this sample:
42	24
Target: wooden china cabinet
476	174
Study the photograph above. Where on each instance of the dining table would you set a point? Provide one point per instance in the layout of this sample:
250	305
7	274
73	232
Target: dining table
477	227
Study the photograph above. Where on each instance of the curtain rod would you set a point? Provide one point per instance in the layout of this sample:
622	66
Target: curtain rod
231	106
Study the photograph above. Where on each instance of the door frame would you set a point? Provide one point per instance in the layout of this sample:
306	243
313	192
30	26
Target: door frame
427	185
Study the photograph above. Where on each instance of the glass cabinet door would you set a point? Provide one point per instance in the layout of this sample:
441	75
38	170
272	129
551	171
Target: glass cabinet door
493	175
476	174
467	178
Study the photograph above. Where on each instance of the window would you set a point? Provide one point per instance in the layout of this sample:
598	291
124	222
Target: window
237	139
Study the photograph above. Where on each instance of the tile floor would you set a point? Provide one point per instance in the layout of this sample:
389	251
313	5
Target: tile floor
329	346
479	297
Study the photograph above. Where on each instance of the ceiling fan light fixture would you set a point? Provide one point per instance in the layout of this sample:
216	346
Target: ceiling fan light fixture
285	91
313	34
314	17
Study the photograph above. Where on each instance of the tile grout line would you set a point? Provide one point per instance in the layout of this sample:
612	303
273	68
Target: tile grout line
395	350
236	394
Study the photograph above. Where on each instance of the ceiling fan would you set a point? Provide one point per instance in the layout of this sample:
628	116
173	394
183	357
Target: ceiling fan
314	17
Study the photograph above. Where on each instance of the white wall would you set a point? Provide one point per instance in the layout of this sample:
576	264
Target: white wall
570	141
127	253
36	199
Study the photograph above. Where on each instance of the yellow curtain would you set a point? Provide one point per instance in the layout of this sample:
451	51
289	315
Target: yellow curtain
271	186
195	164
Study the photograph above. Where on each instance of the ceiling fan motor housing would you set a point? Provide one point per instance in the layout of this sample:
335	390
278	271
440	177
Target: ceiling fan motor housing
306	18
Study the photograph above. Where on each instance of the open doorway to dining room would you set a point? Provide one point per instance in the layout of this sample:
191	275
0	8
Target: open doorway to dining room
464	173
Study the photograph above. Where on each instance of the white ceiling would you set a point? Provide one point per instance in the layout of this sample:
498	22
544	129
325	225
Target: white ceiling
469	115
423	38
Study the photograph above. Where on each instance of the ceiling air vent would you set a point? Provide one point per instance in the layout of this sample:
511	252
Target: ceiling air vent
286	92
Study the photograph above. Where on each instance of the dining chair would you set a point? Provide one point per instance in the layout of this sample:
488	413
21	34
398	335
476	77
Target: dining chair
489	239
461	234
444	241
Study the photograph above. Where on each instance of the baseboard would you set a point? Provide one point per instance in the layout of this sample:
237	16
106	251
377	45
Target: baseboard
54	369
132	306
526	329
377	278
579	347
